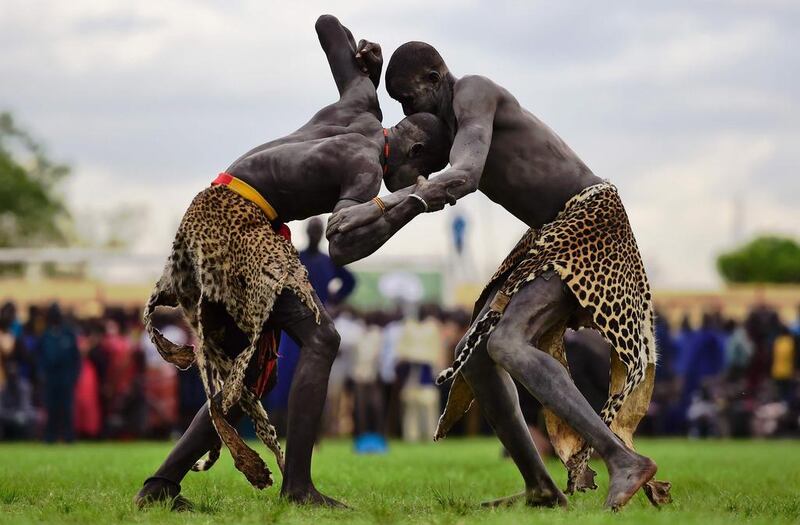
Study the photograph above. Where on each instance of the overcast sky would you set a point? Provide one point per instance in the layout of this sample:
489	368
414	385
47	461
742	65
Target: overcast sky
691	108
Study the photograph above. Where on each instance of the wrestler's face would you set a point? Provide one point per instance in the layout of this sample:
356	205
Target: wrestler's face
400	171
417	93
418	146
401	177
406	144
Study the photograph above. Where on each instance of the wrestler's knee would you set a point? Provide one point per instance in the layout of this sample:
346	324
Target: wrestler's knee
325	339
509	338
501	343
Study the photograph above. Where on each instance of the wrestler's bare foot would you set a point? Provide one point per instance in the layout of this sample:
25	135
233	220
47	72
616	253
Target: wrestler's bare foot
156	491
627	476
537	497
311	496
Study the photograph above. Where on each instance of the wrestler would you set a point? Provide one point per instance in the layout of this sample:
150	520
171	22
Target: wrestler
577	265
238	280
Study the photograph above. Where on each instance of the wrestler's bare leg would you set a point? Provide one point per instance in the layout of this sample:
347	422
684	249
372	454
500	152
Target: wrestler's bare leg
165	484
319	344
531	312
201	436
497	397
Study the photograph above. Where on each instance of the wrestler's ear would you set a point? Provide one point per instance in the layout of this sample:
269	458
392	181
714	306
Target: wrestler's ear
434	77
416	150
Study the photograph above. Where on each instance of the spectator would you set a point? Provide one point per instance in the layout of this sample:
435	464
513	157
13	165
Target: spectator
133	407
387	372
60	362
96	355
664	415
367	394
337	418
118	354
668	349
762	327
702	357
419	350
34	327
17	415
322	272
8	316
10	347
783	362
738	350
88	413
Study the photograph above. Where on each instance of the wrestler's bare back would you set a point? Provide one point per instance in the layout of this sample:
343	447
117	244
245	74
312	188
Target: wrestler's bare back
328	159
529	170
305	179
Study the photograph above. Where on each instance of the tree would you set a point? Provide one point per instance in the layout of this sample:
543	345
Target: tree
32	212
766	259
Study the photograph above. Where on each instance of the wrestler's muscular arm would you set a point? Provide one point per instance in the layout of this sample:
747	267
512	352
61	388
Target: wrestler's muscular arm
356	71
354	234
363	184
475	101
340	49
358	243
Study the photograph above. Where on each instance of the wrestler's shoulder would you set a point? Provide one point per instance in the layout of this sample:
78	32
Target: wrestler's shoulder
472	87
477	82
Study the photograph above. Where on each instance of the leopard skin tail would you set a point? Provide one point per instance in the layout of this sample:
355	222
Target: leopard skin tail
205	464
182	356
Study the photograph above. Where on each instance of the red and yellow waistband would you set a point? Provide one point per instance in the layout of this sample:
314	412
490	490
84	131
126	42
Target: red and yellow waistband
248	192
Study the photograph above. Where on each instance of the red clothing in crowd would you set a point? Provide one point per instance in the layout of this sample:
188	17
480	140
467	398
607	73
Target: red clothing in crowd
88	414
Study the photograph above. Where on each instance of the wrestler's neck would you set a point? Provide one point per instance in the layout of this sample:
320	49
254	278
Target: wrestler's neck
378	140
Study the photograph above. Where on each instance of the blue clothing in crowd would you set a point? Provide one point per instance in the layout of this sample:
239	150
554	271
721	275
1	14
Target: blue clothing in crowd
60	363
668	351
321	272
702	355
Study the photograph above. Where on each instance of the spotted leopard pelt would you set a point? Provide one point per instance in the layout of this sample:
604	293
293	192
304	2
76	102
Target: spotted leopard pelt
226	251
591	246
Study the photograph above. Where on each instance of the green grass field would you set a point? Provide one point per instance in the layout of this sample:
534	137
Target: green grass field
713	482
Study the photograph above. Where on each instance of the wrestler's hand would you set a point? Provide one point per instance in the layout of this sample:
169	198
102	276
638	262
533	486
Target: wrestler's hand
370	58
352	217
436	193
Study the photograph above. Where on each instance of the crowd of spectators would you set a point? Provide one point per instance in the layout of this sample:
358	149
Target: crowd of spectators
64	378
719	378
728	378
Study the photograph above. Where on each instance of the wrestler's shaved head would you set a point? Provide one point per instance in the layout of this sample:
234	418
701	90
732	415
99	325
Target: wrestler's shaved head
418	145
414	75
411	58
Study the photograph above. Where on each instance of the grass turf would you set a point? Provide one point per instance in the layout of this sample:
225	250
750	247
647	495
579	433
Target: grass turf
713	482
